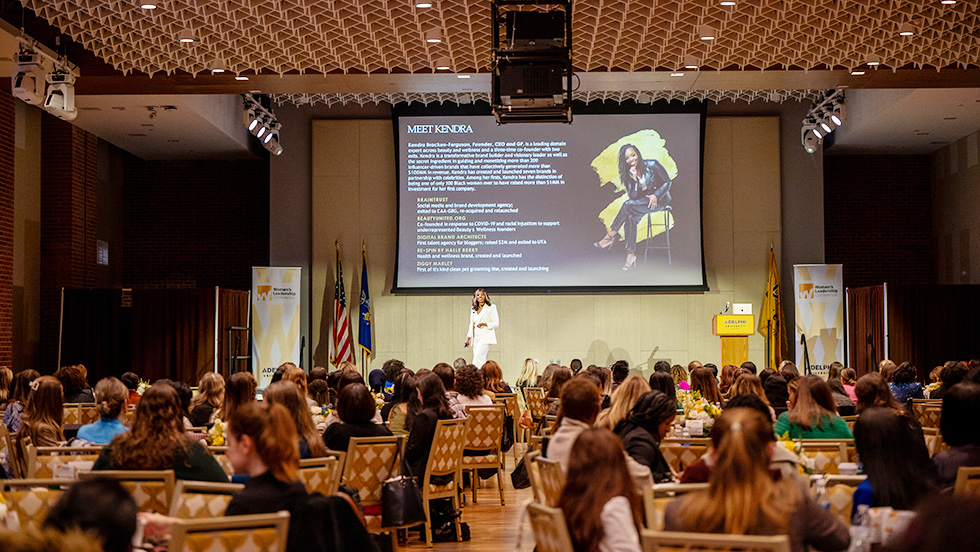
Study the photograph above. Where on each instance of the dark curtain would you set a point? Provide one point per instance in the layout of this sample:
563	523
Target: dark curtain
233	311
865	328
173	333
928	325
95	332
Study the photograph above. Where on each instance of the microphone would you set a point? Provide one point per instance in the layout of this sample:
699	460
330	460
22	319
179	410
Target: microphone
802	339
728	305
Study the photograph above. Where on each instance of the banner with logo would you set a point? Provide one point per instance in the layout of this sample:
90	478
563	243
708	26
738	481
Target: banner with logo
819	315
275	320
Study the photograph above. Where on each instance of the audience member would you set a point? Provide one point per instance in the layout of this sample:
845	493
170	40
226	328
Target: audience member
44	415
895	459
469	385
885	368
903	384
959	429
459	363
679	375
210	396
812	412
743	499
392	368
834	370
529	374
789	371
750	366
157	442
845	406
239	390
20	389
944	523
132	383
111	397
580	408
605	381
871	391
848	378
320	392
643	429
622	401
662	366
99	506
376	379
661	381
559	378
602	510
545	379
777	393
750	384
620	370
434	407
713	368
493	378
6	378
320	373
575	366
727	379
445	373
764	375
297	376
184	397
74	384
396	410
952	373
290	396
703	382
356	409
277	375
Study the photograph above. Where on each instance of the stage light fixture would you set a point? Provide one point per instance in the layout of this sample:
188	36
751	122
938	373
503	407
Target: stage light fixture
809	139
27	79
60	100
839	114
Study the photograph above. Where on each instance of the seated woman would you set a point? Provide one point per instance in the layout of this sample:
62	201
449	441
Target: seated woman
396	410
661	381
703	381
601	507
749	384
845	406
111	397
348	377
286	394
262	444
871	391
493	378
559	378
895	459
296	375
623	400
960	431
210	397
74	384
356	409
812	413
643	429
20	388
239	390
742	497
98	506
777	392
903	384
157	442
469	386
435	407
44	416
848	378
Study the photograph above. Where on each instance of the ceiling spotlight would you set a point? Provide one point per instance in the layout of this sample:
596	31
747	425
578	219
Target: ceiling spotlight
706	32
433	36
423	4
947	2
825	126
185	36
873	60
148	5
809	140
241	78
817	130
727	3
462	76
60	100
28	77
273	132
274	148
838	114
690	62
217	67
906	29
442	64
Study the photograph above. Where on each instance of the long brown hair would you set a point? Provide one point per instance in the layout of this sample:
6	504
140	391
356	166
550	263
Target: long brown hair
211	390
486	299
6	376
110	397
44	414
814	403
239	390
741	498
727	378
273	432
704	381
20	389
492	377
749	384
287	394
872	390
597	472
296	375
158	432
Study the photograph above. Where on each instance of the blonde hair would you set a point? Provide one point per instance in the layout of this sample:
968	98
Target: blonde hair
296	375
347	367
741	498
6	377
678	373
529	373
211	390
110	397
622	401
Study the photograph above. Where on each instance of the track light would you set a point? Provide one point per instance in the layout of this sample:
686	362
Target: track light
28	77
261	123
60	100
809	139
839	114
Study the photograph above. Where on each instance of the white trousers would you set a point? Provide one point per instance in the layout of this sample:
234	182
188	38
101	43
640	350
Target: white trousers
480	351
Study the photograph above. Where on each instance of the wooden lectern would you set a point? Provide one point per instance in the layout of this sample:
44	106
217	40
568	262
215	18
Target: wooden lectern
734	331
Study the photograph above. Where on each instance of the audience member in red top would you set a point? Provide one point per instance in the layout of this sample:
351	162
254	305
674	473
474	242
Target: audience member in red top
132	382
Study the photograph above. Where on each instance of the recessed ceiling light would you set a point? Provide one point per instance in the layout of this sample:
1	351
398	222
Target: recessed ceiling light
148	5
442	64
727	3
423	4
433	36
677	74
906	30
185	36
690	62
462	76
706	32
857	72
217	67
241	78
947	2
873	60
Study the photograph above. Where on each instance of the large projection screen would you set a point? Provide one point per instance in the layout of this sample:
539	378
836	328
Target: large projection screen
522	207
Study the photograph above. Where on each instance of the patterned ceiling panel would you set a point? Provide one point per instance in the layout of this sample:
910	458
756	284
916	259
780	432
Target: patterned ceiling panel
371	36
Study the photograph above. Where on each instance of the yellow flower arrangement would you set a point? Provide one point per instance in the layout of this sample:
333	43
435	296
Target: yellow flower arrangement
697	408
216	435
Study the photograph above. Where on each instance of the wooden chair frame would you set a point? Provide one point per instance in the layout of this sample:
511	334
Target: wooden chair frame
964	477
183	528
514	411
670	540
394	469
138	476
550	481
45	486
428	494
201	488
652	516
549	528
326	464
32	460
472	463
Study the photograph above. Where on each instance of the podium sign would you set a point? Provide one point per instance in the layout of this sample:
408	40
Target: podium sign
734	331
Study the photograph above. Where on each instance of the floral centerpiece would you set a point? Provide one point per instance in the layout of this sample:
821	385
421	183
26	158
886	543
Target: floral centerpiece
932	387
804	464
142	387
379	400
319	415
697	408
216	435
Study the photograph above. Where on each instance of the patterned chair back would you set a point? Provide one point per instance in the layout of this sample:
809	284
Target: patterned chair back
825	454
679	456
72	414
258	533
927	411
934	441
221	456
840	493
88	413
370	461
552	481
44	462
550	530
152	490
670	541
447	448
199	499
485	429
967	482
322	475
31	499
656	497
537	402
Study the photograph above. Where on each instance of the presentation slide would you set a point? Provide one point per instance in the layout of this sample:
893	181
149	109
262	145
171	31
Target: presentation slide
610	201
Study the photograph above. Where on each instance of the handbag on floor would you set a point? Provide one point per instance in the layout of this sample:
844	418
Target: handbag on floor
401	499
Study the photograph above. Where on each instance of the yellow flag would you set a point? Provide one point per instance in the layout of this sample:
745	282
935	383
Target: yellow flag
771	317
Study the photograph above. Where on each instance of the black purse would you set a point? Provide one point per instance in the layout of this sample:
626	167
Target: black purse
401	499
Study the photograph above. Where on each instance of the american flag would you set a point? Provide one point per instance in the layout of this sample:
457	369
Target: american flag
343	352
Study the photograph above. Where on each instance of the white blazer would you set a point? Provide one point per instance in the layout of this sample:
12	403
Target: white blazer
486	334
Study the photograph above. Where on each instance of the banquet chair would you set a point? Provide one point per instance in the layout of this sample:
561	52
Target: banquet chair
88	413
152	490
679	456
320	475
221	456
550	478
934	440
549	528
670	541
264	532
666	216
445	459
825	454
514	412
371	461
927	411
71	414
537	403
967	482
59	462
656	497
482	443
31	499
202	499
7	451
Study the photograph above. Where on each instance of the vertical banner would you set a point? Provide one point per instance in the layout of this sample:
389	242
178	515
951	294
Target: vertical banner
275	320
819	315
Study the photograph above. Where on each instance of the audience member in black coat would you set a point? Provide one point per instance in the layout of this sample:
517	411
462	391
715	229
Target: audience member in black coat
644	427
355	407
422	425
